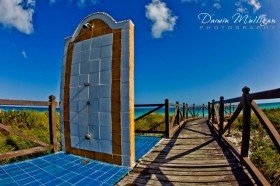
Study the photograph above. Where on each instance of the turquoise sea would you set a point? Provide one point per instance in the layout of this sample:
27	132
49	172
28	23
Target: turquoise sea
140	111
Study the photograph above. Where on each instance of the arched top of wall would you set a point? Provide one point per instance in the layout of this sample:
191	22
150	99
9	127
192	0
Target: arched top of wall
113	24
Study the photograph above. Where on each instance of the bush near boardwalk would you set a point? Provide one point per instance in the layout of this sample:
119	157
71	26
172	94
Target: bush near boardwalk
263	153
31	123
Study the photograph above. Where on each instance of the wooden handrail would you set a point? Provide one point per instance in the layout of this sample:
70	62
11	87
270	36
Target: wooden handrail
217	114
25	102
233	117
54	145
24	152
148	105
269	94
174	117
20	134
147	113
246	104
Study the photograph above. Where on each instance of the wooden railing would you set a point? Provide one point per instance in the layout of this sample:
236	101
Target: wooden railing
182	112
247	104
194	110
54	145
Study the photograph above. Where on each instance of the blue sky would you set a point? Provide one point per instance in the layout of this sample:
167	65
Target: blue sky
174	56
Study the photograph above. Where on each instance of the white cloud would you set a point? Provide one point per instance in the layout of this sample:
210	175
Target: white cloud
240	4
17	14
217	5
23	53
255	4
240	8
161	16
80	3
52	1
189	1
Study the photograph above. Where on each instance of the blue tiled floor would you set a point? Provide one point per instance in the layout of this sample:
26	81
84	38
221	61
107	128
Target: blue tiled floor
61	169
66	169
143	144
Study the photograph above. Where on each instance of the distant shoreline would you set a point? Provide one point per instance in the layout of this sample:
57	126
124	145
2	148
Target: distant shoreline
138	111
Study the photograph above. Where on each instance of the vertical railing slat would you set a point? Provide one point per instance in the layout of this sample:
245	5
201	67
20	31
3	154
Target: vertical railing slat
246	122
52	123
167	125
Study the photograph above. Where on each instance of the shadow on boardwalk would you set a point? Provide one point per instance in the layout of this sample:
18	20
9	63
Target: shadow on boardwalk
192	156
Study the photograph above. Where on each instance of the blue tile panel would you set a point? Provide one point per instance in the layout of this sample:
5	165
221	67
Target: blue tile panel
61	169
67	169
143	144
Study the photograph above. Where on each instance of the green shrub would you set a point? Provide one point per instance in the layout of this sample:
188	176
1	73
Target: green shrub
31	123
153	122
263	152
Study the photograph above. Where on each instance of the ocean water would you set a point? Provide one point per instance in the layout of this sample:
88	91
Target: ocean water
143	110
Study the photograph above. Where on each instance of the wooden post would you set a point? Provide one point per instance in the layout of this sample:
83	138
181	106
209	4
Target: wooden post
203	110
246	122
193	110
187	111
209	111
221	114
184	111
213	112
167	127
52	123
178	113
230	114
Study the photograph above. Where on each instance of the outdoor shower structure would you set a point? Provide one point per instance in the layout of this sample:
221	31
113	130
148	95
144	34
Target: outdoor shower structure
97	91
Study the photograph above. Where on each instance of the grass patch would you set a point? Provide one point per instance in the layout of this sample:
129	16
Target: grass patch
31	123
154	122
263	153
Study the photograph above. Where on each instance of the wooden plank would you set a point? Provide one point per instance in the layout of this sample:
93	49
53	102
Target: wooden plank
20	134
178	161
254	171
217	114
269	94
174	129
174	117
18	153
183	173
270	129
26	103
190	169
233	100
185	179
233	148
52	124
23	102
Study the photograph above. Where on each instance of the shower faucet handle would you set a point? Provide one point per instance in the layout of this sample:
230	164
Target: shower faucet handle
86	84
88	102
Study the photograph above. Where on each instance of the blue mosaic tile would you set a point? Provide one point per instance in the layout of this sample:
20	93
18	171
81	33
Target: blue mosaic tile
20	177
84	181
34	183
95	183
26	181
55	182
144	144
76	179
66	169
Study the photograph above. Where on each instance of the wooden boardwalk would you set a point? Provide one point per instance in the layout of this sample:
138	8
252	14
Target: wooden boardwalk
193	156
